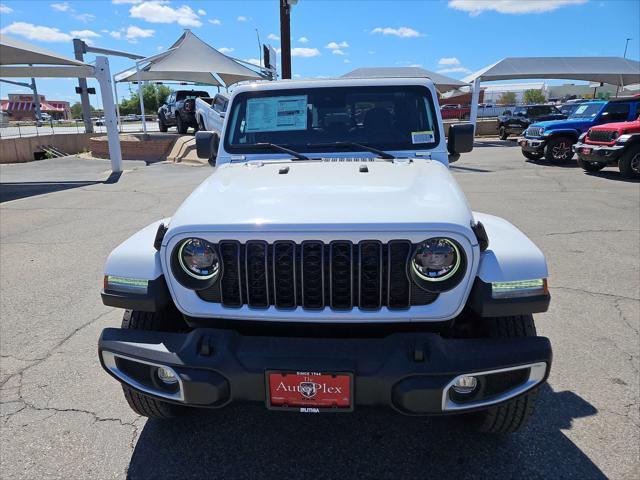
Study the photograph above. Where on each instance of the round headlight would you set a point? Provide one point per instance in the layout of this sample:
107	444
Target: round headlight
436	260
199	259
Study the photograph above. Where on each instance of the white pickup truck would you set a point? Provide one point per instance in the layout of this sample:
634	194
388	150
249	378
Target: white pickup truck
210	112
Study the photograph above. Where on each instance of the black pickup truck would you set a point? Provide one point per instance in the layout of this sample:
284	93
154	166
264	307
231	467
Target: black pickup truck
179	110
517	121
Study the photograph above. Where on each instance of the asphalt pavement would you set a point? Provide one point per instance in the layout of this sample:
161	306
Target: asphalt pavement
63	417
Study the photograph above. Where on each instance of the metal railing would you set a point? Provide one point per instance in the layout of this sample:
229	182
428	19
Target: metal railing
57	127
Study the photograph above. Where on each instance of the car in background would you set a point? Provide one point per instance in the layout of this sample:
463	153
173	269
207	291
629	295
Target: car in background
210	112
179	110
4	119
451	111
515	122
554	139
611	144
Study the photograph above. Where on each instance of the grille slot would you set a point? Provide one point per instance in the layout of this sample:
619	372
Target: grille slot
314	275
534	131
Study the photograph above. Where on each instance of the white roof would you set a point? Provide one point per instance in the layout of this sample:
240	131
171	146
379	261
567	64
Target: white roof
191	60
21	59
442	82
612	70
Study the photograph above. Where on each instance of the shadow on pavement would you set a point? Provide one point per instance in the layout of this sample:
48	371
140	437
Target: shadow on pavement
612	175
250	442
17	190
496	143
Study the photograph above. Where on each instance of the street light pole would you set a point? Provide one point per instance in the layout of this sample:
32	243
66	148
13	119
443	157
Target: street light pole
626	44
285	37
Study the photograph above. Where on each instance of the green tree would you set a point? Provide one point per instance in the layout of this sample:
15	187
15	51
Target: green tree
153	96
76	110
533	96
507	98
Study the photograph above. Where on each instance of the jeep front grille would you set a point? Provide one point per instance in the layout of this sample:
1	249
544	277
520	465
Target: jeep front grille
341	275
534	131
602	135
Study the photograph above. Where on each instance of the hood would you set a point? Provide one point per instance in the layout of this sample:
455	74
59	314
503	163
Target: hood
568	124
325	195
618	126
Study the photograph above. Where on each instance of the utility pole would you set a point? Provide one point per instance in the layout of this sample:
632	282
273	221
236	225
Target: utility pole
79	50
626	44
36	101
285	36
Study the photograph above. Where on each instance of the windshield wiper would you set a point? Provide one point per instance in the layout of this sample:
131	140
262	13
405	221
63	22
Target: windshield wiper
380	153
280	148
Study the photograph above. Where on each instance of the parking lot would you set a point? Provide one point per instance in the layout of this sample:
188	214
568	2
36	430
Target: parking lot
63	417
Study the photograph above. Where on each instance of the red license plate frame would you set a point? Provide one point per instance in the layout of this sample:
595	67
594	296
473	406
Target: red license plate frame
309	391
586	150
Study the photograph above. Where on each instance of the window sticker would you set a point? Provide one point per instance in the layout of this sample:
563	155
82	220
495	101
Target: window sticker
581	109
277	114
425	136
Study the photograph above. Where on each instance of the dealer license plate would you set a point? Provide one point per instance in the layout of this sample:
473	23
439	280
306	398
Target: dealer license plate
309	392
586	151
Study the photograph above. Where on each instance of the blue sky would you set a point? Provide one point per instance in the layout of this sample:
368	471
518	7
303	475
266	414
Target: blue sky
331	37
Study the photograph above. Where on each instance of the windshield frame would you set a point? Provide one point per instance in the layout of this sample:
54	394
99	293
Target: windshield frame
246	149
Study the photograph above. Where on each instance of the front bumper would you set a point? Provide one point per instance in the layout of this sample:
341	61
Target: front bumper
598	153
532	145
408	372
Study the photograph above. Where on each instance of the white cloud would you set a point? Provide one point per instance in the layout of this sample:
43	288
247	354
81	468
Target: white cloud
116	2
242	18
253	61
115	34
335	45
133	32
337	51
476	7
226	50
215	21
346	60
371	52
454	70
303	40
274	37
5	9
85	17
305	52
448	61
156	12
402	32
37	32
415	65
201	12
159	48
84	34
61	7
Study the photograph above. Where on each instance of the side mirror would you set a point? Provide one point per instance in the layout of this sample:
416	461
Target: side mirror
460	140
207	145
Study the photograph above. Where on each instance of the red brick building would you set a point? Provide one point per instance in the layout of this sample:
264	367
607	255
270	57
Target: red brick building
21	106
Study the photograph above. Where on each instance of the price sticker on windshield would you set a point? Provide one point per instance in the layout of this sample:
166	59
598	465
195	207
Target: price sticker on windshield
277	114
425	136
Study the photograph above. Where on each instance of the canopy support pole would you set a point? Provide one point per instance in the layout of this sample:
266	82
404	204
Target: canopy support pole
140	97
103	75
475	98
115	93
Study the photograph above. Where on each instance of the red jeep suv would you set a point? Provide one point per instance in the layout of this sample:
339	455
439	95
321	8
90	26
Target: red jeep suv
611	143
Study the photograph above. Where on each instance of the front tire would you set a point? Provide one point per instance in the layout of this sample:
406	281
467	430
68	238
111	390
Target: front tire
503	133
558	149
590	166
510	416
629	163
140	403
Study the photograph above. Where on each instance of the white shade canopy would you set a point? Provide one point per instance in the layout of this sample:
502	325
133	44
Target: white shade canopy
191	60
612	70
442	82
21	59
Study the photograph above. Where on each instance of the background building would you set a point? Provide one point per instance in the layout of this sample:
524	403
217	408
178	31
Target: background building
21	106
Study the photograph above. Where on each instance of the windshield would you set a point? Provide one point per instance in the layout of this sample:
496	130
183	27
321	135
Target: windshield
587	110
306	120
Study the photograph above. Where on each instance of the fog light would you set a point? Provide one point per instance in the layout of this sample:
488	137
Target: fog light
167	375
464	385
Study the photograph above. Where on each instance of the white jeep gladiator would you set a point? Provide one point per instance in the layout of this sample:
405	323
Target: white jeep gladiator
330	262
